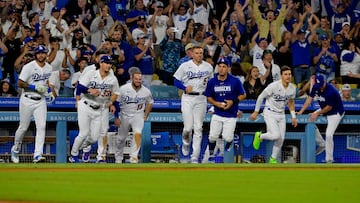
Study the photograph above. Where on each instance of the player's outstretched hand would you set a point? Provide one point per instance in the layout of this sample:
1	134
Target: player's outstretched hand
117	122
254	115
313	116
294	122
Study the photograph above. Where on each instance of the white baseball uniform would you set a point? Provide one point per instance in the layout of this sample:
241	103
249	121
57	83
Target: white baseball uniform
101	151
92	110
277	97
193	106
132	112
33	104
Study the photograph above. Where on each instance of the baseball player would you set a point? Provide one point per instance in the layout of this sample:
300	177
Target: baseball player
135	105
332	106
192	77
224	91
103	139
34	79
278	94
100	89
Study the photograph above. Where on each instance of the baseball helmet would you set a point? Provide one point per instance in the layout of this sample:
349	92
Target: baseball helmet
41	49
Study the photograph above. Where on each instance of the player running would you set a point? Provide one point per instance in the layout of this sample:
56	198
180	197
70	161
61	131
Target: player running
100	89
278	94
332	106
192	77
34	79
135	105
224	91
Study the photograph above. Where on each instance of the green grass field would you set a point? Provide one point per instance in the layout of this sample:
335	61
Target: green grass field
179	183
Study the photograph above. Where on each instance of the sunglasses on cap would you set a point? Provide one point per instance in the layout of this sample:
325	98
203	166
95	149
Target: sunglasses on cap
229	37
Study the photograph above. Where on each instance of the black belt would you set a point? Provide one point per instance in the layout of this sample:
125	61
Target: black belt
93	106
33	97
274	111
194	93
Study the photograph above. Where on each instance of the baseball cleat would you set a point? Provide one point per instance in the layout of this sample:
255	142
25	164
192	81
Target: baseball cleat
101	161
14	156
74	159
211	160
257	140
320	149
39	159
185	149
194	160
86	157
272	161
134	160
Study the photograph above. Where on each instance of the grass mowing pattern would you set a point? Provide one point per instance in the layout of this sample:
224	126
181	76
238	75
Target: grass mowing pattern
179	183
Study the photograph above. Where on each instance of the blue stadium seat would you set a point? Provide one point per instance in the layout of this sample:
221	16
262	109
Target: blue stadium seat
163	146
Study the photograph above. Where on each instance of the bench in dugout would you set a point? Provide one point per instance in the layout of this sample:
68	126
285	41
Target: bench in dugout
163	147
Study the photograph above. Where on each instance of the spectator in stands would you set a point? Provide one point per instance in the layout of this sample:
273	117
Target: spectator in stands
254	83
57	55
82	9
57	25
350	62
231	42
144	56
188	56
237	71
181	15
142	28
79	67
345	93
301	55
13	45
212	47
268	64
188	33
171	49
258	46
346	31
125	48
43	8
283	53
324	28
134	15
271	22
3	11
7	90
337	16
56	81
100	26
118	9
325	58
201	12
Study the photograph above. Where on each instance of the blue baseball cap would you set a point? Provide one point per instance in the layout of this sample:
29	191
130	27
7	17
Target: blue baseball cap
106	59
28	39
319	81
55	9
224	61
324	37
41	49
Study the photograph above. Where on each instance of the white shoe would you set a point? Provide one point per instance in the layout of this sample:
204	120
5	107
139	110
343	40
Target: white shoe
194	160
319	150
134	160
185	149
14	156
39	159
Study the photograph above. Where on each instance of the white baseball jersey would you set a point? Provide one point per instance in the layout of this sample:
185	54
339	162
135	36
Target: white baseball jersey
201	14
32	73
195	75
180	23
108	86
133	102
275	71
257	53
277	96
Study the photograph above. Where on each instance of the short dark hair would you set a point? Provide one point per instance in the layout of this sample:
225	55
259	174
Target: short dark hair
284	68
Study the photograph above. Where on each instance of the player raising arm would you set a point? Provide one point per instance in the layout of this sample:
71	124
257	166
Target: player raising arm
100	90
330	105
224	91
278	94
34	79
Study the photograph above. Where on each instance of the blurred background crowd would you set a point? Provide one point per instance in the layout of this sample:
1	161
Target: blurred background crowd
257	36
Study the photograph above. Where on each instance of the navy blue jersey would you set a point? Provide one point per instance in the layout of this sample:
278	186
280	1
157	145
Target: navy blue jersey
330	96
229	89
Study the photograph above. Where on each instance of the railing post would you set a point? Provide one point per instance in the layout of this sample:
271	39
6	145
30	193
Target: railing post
61	133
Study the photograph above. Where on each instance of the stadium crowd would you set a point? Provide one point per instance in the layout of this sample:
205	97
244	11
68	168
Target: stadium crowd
257	36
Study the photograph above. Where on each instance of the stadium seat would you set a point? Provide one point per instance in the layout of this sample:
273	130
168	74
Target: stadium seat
164	147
